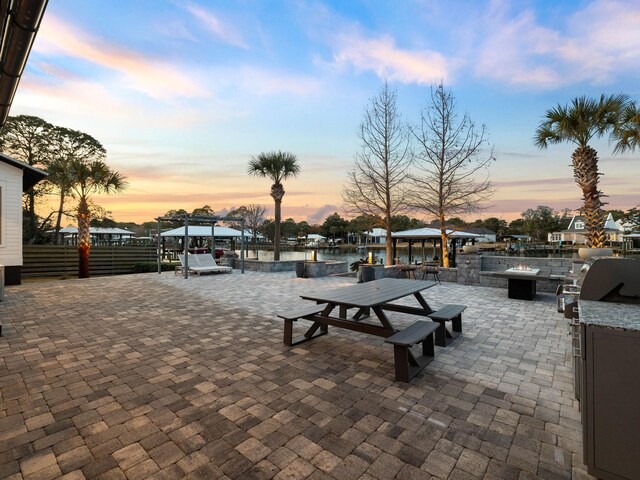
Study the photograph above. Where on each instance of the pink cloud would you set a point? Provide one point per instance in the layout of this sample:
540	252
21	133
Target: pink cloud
600	42
155	78
383	57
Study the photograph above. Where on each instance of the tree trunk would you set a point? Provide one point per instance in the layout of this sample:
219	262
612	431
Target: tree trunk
445	248
32	216
56	236
277	192
276	236
585	171
443	240
389	247
84	238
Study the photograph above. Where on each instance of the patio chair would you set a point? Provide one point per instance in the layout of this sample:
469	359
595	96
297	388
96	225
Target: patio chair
431	268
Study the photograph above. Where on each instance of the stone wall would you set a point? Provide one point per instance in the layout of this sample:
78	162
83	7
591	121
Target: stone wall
468	268
313	269
476	269
322	269
264	266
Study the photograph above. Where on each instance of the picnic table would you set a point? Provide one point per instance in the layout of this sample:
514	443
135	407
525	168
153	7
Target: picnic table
366	297
376	297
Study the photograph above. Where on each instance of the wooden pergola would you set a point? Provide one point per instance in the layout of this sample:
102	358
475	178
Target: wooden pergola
206	219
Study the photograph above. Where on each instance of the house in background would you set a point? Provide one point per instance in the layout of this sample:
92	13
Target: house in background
15	178
575	232
484	234
376	236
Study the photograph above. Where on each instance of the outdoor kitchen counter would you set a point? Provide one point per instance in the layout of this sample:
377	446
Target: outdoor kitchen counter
616	316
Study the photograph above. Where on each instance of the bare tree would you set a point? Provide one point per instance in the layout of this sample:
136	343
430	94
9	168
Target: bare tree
376	184
451	166
253	216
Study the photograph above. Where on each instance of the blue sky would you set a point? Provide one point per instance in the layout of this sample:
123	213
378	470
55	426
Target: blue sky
183	93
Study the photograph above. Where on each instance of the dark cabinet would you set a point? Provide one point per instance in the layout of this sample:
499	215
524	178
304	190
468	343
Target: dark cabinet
610	402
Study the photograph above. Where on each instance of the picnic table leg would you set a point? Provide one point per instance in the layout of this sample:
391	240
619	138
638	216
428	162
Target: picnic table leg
288	332
456	324
384	320
423	302
324	329
343	311
362	313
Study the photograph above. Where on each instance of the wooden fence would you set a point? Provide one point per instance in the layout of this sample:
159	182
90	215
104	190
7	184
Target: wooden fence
62	260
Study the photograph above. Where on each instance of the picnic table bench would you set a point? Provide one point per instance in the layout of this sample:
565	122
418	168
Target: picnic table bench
448	313
407	365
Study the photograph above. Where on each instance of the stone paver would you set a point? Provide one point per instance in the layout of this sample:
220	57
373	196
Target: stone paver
152	376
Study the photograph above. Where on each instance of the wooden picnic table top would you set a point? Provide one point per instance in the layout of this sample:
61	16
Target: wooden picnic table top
369	294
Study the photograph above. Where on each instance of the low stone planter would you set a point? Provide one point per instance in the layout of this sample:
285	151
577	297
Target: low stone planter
586	252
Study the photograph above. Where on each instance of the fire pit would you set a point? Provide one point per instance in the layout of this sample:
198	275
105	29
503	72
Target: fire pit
523	270
521	281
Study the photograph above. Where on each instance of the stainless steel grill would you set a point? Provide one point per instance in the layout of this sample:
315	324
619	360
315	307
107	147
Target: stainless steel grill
606	279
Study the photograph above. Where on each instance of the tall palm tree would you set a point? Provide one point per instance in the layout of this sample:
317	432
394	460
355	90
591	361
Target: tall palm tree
580	121
627	135
277	166
60	175
90	177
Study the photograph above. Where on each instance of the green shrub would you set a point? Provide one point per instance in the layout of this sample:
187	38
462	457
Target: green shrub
144	267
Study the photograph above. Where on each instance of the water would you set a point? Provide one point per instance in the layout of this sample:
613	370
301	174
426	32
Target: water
353	254
342	255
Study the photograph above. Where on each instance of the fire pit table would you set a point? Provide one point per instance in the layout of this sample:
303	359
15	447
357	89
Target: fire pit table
521	281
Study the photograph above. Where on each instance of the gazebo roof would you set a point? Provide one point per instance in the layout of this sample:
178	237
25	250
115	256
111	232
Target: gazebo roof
426	232
96	230
205	231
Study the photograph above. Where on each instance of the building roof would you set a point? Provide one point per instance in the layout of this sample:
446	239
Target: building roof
30	175
205	231
96	230
20	22
376	232
609	225
481	231
315	236
426	232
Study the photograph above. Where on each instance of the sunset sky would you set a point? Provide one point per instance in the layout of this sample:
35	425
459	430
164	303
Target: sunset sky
183	93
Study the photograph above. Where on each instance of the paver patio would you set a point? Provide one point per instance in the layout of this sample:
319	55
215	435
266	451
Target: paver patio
152	376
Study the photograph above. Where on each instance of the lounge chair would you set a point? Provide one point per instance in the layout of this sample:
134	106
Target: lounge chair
206	260
196	264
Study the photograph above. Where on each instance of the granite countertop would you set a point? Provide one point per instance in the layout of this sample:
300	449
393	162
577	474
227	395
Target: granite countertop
618	316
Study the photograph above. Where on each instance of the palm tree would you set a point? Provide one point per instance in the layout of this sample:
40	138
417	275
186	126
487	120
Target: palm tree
90	177
627	135
62	177
277	166
585	118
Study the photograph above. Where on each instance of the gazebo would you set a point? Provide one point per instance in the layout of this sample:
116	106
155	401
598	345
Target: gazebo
99	235
207	230
423	234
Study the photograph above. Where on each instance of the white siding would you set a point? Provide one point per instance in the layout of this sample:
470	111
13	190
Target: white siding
11	241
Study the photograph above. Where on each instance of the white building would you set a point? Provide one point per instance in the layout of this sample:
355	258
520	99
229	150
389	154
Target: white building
377	236
575	234
15	178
